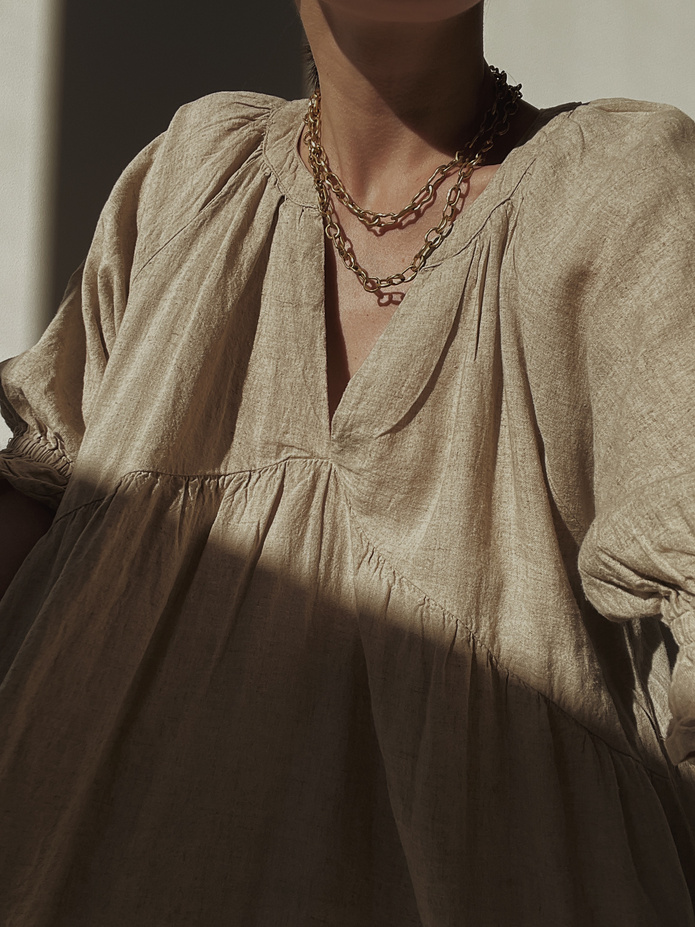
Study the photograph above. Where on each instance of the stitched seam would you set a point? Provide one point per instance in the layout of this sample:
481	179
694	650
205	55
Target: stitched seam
474	236
274	173
546	129
201	216
473	636
209	477
227	474
84	505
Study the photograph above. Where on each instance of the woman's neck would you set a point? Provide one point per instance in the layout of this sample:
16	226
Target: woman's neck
396	99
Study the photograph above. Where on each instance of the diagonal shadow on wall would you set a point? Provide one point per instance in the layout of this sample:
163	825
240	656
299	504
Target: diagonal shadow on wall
127	67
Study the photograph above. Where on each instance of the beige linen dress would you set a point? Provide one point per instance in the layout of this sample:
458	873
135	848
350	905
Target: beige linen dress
269	671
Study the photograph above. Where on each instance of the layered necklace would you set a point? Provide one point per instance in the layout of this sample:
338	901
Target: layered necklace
495	122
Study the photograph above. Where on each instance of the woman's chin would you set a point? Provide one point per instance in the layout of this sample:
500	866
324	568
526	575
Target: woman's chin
413	11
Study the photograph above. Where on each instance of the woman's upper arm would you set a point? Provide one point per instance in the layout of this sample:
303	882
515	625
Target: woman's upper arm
637	560
47	393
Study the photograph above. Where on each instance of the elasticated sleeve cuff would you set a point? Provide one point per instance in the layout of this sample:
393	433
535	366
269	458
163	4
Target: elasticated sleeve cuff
679	615
37	466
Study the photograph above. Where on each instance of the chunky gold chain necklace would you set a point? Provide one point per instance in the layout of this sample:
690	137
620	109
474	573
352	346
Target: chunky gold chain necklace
495	123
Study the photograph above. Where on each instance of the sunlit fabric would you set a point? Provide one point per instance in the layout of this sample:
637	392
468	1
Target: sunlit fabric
271	671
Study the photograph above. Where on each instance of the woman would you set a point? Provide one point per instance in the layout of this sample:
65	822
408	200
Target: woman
310	640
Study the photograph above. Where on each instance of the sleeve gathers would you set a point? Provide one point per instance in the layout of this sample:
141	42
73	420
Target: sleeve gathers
47	394
637	560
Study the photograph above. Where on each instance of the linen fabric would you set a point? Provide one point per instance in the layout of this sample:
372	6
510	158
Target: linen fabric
271	670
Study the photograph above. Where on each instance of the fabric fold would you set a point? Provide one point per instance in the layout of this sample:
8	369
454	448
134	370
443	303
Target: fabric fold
679	615
263	673
637	562
37	466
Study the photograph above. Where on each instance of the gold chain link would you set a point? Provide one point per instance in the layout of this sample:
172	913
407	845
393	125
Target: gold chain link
495	123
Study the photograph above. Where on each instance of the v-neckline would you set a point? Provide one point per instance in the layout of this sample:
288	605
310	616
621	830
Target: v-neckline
357	412
369	361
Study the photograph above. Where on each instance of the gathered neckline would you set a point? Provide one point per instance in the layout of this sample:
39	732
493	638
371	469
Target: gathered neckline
281	153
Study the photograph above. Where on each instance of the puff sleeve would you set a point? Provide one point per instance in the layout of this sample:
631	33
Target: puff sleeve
638	558
46	393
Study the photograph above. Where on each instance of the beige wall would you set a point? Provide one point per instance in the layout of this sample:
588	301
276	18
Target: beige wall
28	71
558	50
562	50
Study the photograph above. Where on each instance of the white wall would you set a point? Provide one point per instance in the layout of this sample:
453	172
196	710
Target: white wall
566	50
28	77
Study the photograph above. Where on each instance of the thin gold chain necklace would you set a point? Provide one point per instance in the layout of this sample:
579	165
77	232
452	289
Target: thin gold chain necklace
494	123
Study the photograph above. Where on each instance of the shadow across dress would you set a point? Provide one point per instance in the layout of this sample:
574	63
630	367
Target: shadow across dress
271	671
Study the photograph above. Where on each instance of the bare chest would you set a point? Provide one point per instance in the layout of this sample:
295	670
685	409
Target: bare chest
356	319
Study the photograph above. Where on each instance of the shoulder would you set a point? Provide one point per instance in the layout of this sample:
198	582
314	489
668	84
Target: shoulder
209	147
604	216
607	173
221	128
217	133
603	245
206	139
632	121
239	118
607	145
